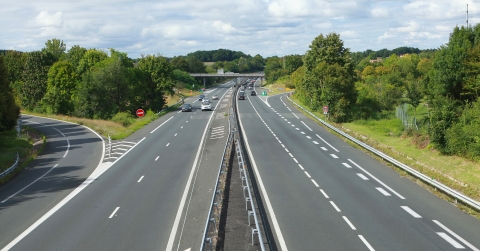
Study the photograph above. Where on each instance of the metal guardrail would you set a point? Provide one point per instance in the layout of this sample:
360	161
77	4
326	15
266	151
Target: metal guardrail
438	185
10	169
248	197
217	199
246	186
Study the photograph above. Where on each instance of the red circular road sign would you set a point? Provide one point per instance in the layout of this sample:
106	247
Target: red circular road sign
140	112
325	109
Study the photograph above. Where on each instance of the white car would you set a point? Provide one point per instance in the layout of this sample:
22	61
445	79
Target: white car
206	106
214	97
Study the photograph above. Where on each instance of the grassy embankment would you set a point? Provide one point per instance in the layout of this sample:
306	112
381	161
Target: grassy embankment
28	145
117	129
413	149
276	88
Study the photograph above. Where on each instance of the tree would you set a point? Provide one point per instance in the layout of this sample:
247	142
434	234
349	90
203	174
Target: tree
9	111
160	79
75	55
329	77
180	63
34	79
89	59
61	84
56	47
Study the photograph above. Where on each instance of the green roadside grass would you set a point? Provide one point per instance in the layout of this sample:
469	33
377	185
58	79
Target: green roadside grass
412	149
107	127
10	145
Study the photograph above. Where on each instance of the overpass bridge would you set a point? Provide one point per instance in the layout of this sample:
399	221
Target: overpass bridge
229	75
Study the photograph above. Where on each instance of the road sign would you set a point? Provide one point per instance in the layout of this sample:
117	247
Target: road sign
140	113
325	109
264	93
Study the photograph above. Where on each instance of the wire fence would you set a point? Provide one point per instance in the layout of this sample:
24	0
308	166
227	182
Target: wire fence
408	121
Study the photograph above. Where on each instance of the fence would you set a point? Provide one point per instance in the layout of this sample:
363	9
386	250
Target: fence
10	169
451	192
407	121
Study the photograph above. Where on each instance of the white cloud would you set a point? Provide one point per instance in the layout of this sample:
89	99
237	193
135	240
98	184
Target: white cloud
222	27
265	27
44	19
380	12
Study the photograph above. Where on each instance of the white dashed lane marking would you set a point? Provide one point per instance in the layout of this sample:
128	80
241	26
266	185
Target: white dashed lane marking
315	142
466	243
362	176
411	212
335	206
307	126
450	240
349	223
346	165
324	194
334	156
141	178
323	148
114	211
381	190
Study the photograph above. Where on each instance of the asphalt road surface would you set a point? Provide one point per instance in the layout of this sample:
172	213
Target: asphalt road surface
138	200
322	194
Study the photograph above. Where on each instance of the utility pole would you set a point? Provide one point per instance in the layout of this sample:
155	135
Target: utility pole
467	16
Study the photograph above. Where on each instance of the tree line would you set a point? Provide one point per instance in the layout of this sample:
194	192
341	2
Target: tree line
89	83
445	80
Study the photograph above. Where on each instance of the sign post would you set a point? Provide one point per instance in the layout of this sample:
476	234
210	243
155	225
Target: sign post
325	111
140	113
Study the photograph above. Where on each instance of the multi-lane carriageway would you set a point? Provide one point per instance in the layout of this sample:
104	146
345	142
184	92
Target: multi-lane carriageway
319	192
155	195
323	194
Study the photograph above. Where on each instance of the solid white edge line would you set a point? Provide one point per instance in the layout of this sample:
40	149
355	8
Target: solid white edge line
68	148
366	243
456	236
43	175
324	194
315	183
306	126
276	227
161	124
335	206
349	223
327	143
381	190
69	196
411	212
141	178
450	240
375	178
114	211
173	233
68	142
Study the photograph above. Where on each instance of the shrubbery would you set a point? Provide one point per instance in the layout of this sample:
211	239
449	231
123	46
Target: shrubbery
123	118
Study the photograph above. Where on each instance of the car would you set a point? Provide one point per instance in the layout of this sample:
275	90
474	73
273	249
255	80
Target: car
206	106
253	93
206	99
186	108
214	97
250	87
201	97
241	95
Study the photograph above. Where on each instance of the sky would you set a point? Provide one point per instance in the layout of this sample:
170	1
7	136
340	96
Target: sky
265	27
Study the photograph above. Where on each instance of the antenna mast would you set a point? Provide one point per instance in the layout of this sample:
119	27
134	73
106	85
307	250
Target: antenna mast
467	15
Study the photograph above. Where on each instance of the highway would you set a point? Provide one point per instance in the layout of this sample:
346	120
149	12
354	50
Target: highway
142	199
322	194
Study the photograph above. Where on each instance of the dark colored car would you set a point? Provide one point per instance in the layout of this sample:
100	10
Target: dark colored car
241	96
201	97
186	108
253	93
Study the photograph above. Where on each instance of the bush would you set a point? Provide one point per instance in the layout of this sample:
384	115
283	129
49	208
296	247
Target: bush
123	118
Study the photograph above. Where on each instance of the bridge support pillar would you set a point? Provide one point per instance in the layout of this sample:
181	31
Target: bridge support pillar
204	85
